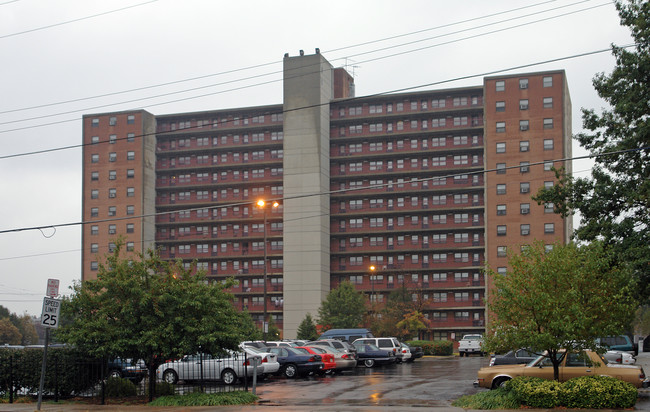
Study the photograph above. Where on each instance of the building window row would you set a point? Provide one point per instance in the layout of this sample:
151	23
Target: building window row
524	229
547	103
409	105
227	121
524	125
500	85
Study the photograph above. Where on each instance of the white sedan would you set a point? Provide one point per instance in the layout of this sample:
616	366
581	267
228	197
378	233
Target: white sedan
617	356
269	361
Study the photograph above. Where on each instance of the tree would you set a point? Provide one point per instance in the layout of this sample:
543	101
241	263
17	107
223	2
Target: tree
307	329
344	307
26	327
9	334
614	203
412	323
153	310
559	299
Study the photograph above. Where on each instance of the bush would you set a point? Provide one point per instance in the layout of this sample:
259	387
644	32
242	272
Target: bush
536	392
162	389
497	399
206	399
434	347
120	387
598	392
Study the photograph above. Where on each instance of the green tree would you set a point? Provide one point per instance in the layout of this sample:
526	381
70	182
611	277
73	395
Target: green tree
307	329
614	203
412	323
150	309
9	333
558	299
344	307
26	327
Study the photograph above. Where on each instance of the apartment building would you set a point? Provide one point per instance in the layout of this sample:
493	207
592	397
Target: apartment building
426	187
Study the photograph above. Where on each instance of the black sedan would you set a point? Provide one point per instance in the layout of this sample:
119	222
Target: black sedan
293	363
370	355
416	352
514	357
128	369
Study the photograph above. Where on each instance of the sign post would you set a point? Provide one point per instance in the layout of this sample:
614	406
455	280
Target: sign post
49	319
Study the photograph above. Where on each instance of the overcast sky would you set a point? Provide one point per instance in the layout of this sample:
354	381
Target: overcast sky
62	59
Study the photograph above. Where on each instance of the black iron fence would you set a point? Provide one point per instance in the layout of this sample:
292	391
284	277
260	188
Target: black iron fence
71	375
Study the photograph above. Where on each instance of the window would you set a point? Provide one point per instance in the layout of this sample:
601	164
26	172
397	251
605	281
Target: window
548	165
524	146
93	265
94	176
112	175
524	230
524	208
501	189
112	157
523	104
94	158
548	102
112	121
501	147
524	187
524	125
94	230
501	251
112	210
548	81
501	127
501	168
94	248
130	246
548	144
501	106
549	208
523	83
94	139
130	155
130	119
548	184
524	167
501	210
130	228
94	194
130	173
548	123
501	230
549	228
94	212
500	85
112	229
501	270
95	123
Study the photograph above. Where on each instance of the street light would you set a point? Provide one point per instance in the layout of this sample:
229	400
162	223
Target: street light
264	205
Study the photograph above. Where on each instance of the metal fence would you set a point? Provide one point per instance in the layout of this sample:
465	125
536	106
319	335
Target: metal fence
71	376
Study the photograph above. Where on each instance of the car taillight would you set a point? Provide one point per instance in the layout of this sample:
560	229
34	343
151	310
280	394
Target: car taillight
312	359
264	359
246	363
619	360
345	356
403	350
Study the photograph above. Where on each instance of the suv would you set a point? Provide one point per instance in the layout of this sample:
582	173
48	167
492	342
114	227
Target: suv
339	345
390	343
621	343
349	335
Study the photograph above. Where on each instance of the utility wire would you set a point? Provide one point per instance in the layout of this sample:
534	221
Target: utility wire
351	99
327	193
74	20
280	61
278	72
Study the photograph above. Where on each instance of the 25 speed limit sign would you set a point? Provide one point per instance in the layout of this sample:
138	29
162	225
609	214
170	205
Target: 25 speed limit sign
50	313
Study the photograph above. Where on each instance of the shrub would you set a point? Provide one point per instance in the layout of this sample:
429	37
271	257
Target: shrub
434	347
162	389
598	392
497	399
206	399
120	387
536	392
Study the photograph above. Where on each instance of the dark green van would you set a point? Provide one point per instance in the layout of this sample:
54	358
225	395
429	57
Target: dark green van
349	335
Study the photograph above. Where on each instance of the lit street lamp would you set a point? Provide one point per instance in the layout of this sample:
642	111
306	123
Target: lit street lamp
263	205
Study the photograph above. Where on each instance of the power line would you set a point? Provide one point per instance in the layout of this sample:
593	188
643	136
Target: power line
331	192
351	99
278	62
277	72
74	20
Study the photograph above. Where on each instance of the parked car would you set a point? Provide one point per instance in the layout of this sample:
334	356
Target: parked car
572	364
340	345
348	335
470	344
344	361
329	364
269	360
513	357
389	343
616	356
416	352
206	367
404	352
370	355
294	363
619	343
128	369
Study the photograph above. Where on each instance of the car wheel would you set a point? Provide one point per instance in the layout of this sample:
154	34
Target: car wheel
170	376
499	382
460	354
369	363
228	376
115	373
290	371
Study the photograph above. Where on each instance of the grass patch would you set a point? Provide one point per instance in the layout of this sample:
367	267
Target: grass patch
206	399
494	399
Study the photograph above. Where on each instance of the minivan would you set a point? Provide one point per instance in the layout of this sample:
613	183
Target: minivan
349	335
390	343
619	342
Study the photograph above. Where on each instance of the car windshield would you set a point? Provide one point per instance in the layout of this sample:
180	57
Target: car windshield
302	351
544	360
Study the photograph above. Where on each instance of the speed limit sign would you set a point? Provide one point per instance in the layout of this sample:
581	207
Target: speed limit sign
50	313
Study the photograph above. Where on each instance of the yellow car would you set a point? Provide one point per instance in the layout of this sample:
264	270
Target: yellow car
573	364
